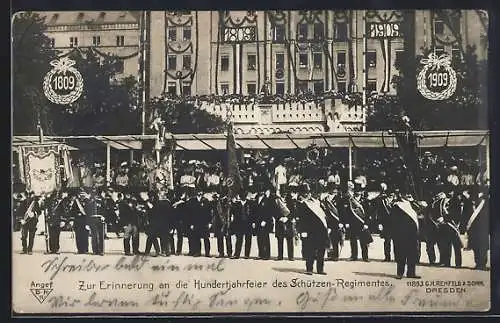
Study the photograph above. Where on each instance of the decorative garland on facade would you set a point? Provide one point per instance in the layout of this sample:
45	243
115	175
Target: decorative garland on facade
179	76
250	18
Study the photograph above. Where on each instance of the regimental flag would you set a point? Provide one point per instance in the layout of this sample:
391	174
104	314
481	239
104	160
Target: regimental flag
407	142
233	176
41	168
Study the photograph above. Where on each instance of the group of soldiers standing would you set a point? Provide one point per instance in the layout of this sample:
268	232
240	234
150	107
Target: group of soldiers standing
321	220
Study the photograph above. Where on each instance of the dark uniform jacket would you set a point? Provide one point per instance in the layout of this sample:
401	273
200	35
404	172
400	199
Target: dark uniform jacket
313	221
382	210
265	211
241	211
128	213
198	215
283	229
478	225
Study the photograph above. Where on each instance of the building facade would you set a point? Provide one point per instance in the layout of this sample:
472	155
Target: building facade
285	53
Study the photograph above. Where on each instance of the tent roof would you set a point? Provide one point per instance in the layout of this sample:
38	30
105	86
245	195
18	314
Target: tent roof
378	139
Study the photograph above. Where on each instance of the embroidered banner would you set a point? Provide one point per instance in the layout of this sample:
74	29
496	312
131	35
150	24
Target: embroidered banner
41	168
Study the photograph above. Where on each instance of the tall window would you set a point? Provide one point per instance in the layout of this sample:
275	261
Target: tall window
96	40
302	86
438	27
371	86
280	60
251	88
439	50
224	63
73	42
279	32
120	66
341	57
186	89
172	63
186	33
302	32
319	31
318	87
456	54
120	40
280	88
251	62
303	60
318	60
172	33
186	62
224	88
172	88
341	31
342	88
371	59
398	58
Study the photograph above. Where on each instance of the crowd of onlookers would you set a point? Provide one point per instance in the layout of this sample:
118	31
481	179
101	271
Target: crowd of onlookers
318	167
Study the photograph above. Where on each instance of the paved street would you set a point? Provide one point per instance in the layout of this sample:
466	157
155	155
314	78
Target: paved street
177	270
114	246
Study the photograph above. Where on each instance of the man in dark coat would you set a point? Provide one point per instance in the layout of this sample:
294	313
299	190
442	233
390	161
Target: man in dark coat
450	232
358	225
336	227
166	222
94	208
313	227
57	220
383	215
434	217
221	224
406	237
284	228
198	218
30	210
153	226
241	225
264	212
180	218
478	231
78	220
129	219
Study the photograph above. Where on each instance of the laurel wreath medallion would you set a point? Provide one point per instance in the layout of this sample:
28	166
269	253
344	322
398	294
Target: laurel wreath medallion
64	65
434	63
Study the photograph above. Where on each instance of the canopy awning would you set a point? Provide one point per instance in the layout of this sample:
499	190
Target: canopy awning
378	139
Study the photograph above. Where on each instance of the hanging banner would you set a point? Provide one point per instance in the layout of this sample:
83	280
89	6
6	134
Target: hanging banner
41	168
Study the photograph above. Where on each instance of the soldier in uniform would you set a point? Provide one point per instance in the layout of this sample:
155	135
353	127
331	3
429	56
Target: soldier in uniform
198	219
434	219
406	237
180	220
57	220
166	223
264	211
30	209
357	220
450	232
313	228
129	220
221	224
382	205
336	230
477	229
153	226
78	220
241	225
94	207
284	228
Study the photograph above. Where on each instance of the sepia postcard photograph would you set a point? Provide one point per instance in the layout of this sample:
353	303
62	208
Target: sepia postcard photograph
225	161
